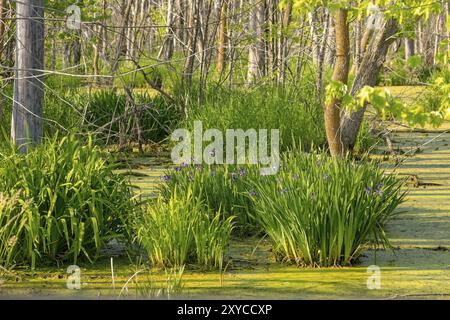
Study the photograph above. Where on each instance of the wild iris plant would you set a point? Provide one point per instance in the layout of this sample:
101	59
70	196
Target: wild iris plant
62	201
219	187
179	230
328	210
317	211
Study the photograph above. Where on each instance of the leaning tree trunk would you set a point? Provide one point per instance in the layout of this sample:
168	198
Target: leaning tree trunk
26	127
340	74
371	64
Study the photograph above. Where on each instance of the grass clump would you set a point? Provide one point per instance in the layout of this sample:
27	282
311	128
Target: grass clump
179	231
67	198
14	215
296	113
219	187
317	211
321	211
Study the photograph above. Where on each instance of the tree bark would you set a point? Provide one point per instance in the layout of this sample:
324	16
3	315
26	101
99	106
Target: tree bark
221	57
168	45
256	54
2	26
340	74
322	52
194	29
285	18
409	48
26	127
371	64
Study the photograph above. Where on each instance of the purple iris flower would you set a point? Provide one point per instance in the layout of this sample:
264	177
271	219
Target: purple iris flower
254	193
378	189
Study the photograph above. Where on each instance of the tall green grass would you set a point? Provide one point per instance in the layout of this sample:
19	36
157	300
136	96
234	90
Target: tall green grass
179	231
323	212
76	202
298	114
109	113
317	211
219	187
16	234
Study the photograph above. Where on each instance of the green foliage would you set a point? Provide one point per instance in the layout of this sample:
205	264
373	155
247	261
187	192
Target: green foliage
322	212
81	111
365	140
298	114
219	187
179	230
14	216
317	210
411	72
73	202
388	106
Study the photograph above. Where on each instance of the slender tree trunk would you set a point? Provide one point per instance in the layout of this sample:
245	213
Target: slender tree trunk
312	16
194	27
447	30
409	48
340	74
168	45
2	41
121	43
322	51
256	54
221	57
26	127
2	26
282	50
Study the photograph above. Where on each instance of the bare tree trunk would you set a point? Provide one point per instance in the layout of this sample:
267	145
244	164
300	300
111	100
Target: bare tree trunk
322	50
409	48
285	18
26	127
168	45
221	57
121	43
340	74
256	54
447	30
312	16
372	62
2	26
2	41
193	23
